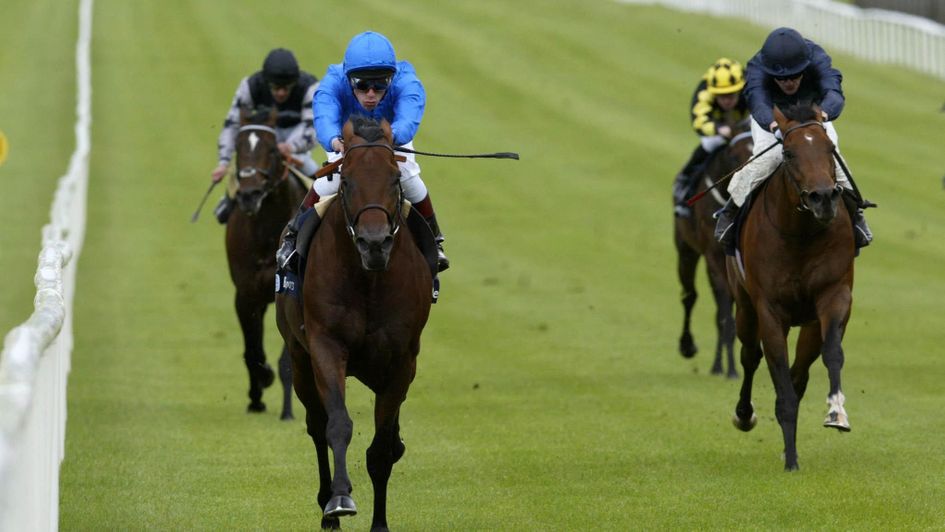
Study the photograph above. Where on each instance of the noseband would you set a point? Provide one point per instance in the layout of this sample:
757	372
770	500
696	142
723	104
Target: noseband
250	171
393	220
802	192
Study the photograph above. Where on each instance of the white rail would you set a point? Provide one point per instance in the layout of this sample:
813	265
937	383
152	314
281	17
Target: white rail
872	34
35	357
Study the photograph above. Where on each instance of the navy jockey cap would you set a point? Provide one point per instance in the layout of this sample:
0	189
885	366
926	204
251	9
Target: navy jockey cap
280	67
785	53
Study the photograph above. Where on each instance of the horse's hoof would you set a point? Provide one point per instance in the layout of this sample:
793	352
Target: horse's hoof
837	420
287	416
380	529
256	408
331	523
744	425
791	468
733	375
340	506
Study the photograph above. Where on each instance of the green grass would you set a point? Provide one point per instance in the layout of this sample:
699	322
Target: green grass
549	393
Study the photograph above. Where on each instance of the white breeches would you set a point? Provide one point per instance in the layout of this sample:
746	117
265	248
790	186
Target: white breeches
414	188
753	174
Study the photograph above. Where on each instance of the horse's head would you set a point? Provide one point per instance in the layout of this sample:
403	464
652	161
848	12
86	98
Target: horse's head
370	191
259	166
808	160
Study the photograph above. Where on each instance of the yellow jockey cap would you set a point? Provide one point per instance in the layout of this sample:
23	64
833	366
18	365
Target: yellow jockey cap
725	77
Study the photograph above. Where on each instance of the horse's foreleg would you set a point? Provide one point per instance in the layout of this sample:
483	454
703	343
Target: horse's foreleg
285	376
250	313
833	327
774	339
746	323
387	447
724	322
329	362
315	420
687	259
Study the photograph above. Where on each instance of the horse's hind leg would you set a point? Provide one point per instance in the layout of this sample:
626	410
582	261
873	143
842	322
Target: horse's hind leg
250	313
809	343
687	259
387	447
285	376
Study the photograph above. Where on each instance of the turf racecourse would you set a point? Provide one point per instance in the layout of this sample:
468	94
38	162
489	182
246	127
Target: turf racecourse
549	393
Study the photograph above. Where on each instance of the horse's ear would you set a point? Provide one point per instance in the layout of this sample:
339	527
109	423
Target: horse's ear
245	115
779	118
273	116
347	132
388	133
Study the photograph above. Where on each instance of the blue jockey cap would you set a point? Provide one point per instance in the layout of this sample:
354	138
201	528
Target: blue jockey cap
785	53
369	51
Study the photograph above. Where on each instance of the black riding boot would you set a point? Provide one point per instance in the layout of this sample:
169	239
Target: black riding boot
286	255
442	262
224	208
862	236
724	227
685	180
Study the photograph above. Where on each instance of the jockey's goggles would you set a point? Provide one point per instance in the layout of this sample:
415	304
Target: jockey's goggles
277	86
789	78
363	84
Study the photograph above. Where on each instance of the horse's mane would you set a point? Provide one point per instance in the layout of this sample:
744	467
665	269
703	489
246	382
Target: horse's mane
367	128
802	111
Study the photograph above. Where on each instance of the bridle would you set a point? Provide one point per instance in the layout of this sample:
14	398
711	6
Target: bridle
802	192
250	171
393	220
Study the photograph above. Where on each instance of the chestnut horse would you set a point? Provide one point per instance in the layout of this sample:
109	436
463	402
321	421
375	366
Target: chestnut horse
366	295
267	199
797	249
694	238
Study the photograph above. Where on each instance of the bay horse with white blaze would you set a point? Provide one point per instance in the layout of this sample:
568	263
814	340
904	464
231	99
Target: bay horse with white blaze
366	295
694	238
267	198
797	250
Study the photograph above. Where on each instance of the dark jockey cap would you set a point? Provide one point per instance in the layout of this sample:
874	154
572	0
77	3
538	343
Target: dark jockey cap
785	53
280	67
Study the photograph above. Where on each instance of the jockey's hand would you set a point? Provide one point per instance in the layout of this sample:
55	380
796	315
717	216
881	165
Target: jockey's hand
824	115
775	130
725	131
217	174
337	145
285	150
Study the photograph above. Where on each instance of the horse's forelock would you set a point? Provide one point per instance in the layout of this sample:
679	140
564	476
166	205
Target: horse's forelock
802	111
367	128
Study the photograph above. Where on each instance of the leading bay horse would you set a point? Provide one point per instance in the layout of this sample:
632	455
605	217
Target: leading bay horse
694	238
366	295
266	199
797	250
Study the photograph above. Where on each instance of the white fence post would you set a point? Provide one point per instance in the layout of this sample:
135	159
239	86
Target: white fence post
35	359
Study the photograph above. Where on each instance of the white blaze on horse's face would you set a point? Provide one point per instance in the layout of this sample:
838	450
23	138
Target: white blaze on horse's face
253	140
809	138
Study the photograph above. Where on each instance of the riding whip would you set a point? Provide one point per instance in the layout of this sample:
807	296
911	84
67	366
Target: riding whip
202	201
499	155
691	201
